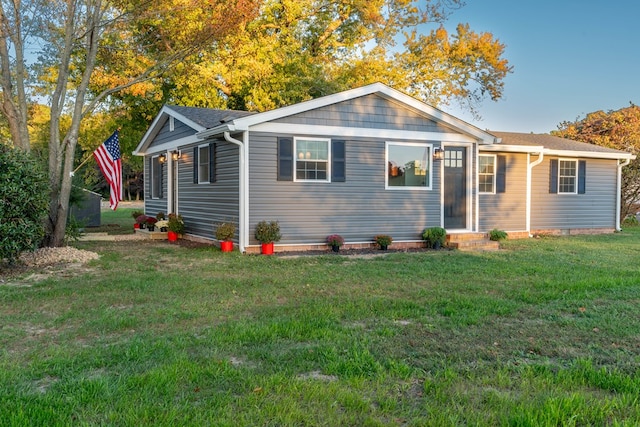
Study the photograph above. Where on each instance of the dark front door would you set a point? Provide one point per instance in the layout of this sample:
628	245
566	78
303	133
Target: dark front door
455	187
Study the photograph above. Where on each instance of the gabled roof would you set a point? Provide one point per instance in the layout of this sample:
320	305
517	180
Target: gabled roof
554	145
199	119
246	122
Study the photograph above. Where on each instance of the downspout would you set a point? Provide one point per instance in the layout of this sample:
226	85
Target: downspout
619	192
530	167
476	188
242	197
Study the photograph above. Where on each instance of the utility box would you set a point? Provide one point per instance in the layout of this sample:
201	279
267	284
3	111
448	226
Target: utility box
87	213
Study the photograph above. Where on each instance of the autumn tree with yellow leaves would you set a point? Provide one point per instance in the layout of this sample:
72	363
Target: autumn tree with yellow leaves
618	129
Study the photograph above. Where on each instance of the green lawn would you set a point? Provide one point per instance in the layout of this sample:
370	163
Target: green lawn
545	332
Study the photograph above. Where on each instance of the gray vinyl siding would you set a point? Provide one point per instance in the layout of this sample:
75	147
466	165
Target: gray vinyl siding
180	130
594	209
357	209
506	211
370	111
203	205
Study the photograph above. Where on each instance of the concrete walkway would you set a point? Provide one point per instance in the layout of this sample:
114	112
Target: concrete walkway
110	237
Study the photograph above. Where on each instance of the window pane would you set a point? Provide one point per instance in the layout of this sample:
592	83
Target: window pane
486	173
408	165
203	164
312	160
567	176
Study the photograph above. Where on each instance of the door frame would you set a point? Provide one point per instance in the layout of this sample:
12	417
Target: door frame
470	156
172	183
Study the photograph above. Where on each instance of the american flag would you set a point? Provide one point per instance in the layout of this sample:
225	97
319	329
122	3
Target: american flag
108	158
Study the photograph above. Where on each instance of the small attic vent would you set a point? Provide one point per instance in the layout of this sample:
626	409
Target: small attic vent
226	119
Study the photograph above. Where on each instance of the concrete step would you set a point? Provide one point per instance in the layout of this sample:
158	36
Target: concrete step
475	245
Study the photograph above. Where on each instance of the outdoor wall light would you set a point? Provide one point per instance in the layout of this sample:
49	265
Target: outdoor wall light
438	154
175	155
162	158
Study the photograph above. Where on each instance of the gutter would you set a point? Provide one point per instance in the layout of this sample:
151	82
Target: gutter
243	197
530	167
619	192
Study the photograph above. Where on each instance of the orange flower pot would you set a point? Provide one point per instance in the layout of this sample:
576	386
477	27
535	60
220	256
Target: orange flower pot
172	236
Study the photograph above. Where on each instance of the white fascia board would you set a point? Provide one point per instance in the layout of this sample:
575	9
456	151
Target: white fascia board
249	122
169	145
589	154
156	126
218	130
512	148
339	131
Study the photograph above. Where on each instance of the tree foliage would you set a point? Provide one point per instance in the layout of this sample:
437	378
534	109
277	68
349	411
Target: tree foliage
23	202
301	49
619	129
92	49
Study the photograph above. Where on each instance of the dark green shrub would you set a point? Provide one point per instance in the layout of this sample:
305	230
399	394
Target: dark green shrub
268	232
24	193
434	237
630	221
497	235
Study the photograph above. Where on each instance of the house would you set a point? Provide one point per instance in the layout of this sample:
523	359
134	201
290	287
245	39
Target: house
367	161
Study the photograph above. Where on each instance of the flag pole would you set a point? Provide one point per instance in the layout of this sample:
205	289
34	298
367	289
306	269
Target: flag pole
81	164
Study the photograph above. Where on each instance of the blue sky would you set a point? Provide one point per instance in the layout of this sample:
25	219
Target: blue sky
569	58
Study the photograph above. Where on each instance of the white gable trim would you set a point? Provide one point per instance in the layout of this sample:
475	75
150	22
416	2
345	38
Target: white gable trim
338	131
165	113
249	122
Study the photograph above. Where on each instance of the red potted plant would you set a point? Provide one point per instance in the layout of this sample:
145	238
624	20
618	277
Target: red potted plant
175	227
224	233
267	233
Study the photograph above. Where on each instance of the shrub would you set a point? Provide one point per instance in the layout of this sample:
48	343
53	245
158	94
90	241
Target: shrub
135	214
497	235
268	232
335	240
141	219
225	231
160	216
434	237
383	239
175	223
631	221
23	203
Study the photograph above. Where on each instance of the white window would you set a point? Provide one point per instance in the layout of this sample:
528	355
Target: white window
312	159
203	164
487	173
567	176
408	165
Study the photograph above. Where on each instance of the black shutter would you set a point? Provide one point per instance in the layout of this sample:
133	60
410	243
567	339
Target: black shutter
285	159
212	163
501	175
195	165
582	176
553	176
338	163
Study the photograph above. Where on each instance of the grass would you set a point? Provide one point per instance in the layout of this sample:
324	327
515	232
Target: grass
542	333
115	222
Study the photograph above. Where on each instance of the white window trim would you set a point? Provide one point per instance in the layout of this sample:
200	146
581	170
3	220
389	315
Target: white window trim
495	166
575	183
154	160
201	146
295	159
386	165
